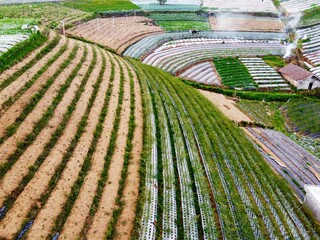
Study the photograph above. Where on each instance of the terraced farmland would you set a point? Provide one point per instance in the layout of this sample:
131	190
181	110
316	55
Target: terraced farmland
150	43
75	123
115	33
211	155
264	75
203	73
179	55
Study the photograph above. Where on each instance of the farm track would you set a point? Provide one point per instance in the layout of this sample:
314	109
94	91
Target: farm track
124	226
14	87
12	70
26	124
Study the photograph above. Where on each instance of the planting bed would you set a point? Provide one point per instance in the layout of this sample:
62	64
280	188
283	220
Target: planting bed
264	75
291	161
204	73
8	41
294	6
241	22
233	73
150	43
115	33
178	55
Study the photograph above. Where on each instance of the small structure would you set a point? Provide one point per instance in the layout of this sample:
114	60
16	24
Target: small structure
300	77
312	200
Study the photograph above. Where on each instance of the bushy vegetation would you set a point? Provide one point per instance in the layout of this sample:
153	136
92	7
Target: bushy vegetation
100	5
233	73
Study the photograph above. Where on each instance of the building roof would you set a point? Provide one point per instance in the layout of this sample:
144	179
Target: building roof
295	72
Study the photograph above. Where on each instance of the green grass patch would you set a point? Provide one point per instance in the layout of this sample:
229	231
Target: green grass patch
275	61
181	21
233	73
183	25
101	5
14	25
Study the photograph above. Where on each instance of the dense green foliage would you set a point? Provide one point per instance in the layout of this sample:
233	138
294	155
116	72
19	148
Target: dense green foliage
181	21
304	116
20	50
275	61
101	5
233	73
311	16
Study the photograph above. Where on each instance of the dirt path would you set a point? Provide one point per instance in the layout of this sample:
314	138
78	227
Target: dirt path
124	226
9	72
26	127
15	86
103	215
16	173
46	216
80	210
226	106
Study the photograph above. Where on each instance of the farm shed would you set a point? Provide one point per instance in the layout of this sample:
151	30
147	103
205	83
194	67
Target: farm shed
312	200
300	77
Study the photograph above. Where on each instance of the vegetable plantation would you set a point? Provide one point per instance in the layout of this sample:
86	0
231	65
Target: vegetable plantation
218	174
233	73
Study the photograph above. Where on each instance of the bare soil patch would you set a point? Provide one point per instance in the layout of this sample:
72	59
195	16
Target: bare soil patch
116	33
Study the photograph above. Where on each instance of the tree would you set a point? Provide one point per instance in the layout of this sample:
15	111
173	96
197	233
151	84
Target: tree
162	2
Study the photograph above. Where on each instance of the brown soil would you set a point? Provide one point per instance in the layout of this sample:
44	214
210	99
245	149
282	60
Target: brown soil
9	72
80	210
226	106
240	23
107	205
124	226
14	87
8	147
117	34
46	216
